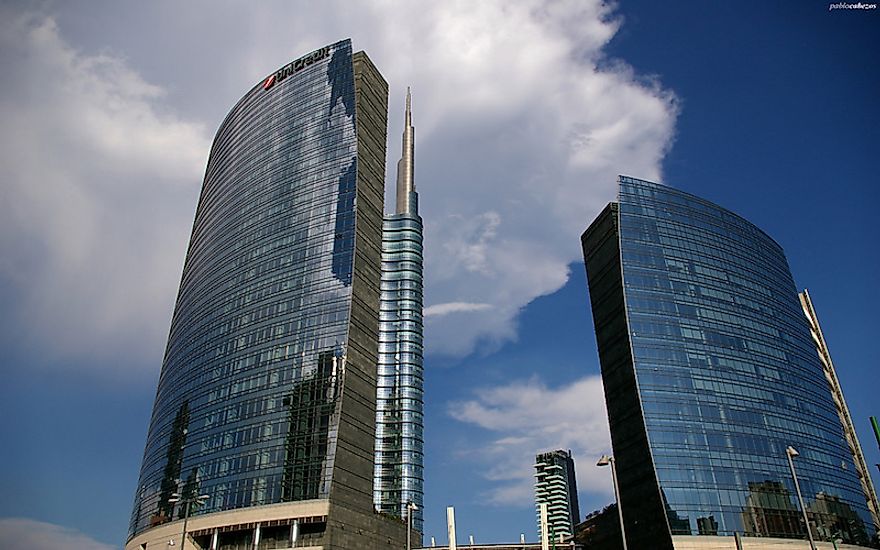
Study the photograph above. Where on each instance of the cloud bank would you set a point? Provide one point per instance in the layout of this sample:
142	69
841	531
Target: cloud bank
527	417
93	170
522	127
19	533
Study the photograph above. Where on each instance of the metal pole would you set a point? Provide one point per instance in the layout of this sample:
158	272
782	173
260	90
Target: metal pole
185	519
617	498
409	526
788	452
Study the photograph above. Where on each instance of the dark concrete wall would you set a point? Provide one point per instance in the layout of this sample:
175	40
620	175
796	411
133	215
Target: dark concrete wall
352	523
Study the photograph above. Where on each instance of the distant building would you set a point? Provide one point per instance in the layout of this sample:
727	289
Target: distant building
600	530
555	485
770	510
710	373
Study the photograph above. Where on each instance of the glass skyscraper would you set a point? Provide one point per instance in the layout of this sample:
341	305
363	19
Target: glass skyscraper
710	373
266	398
399	477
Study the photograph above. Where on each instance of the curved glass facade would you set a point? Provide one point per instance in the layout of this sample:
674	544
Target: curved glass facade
399	471
710	374
275	314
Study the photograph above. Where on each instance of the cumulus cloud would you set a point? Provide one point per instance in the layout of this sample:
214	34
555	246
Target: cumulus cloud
438	310
528	417
93	174
522	127
18	533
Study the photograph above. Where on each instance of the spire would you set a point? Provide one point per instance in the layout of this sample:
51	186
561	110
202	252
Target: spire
408	108
407	199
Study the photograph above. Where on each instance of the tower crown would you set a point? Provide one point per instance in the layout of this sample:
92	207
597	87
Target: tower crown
407	198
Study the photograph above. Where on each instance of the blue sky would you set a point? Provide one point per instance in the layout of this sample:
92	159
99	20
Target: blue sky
767	108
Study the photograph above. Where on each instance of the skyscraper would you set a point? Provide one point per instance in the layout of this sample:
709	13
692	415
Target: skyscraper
710	374
556	486
266	399
399	474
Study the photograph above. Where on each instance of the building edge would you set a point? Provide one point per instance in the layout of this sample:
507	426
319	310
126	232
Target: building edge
639	488
849	429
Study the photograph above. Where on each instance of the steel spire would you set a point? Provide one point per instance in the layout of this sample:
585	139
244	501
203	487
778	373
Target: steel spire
407	199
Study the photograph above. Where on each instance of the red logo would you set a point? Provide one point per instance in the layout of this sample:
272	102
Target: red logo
296	66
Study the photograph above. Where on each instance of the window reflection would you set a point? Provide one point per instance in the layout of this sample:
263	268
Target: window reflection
725	372
249	382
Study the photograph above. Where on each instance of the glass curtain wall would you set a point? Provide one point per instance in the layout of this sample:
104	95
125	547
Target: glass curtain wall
725	373
247	405
399	439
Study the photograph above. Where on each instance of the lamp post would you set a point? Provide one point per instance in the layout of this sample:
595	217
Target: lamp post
187	501
410	508
605	461
791	452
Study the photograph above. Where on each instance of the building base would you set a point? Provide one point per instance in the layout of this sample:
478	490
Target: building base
302	525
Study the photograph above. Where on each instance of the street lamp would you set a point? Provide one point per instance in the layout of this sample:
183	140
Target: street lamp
410	508
186	501
791	452
605	461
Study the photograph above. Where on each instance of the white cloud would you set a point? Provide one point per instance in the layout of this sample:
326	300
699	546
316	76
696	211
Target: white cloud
93	177
528	417
522	127
19	533
438	310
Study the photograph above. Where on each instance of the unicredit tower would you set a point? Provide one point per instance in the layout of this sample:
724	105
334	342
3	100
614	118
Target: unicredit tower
262	432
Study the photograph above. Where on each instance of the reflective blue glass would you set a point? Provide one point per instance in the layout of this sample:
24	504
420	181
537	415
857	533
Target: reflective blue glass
728	376
248	402
399	469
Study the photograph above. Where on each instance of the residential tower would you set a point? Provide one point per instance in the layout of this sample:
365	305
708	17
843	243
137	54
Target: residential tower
556	486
